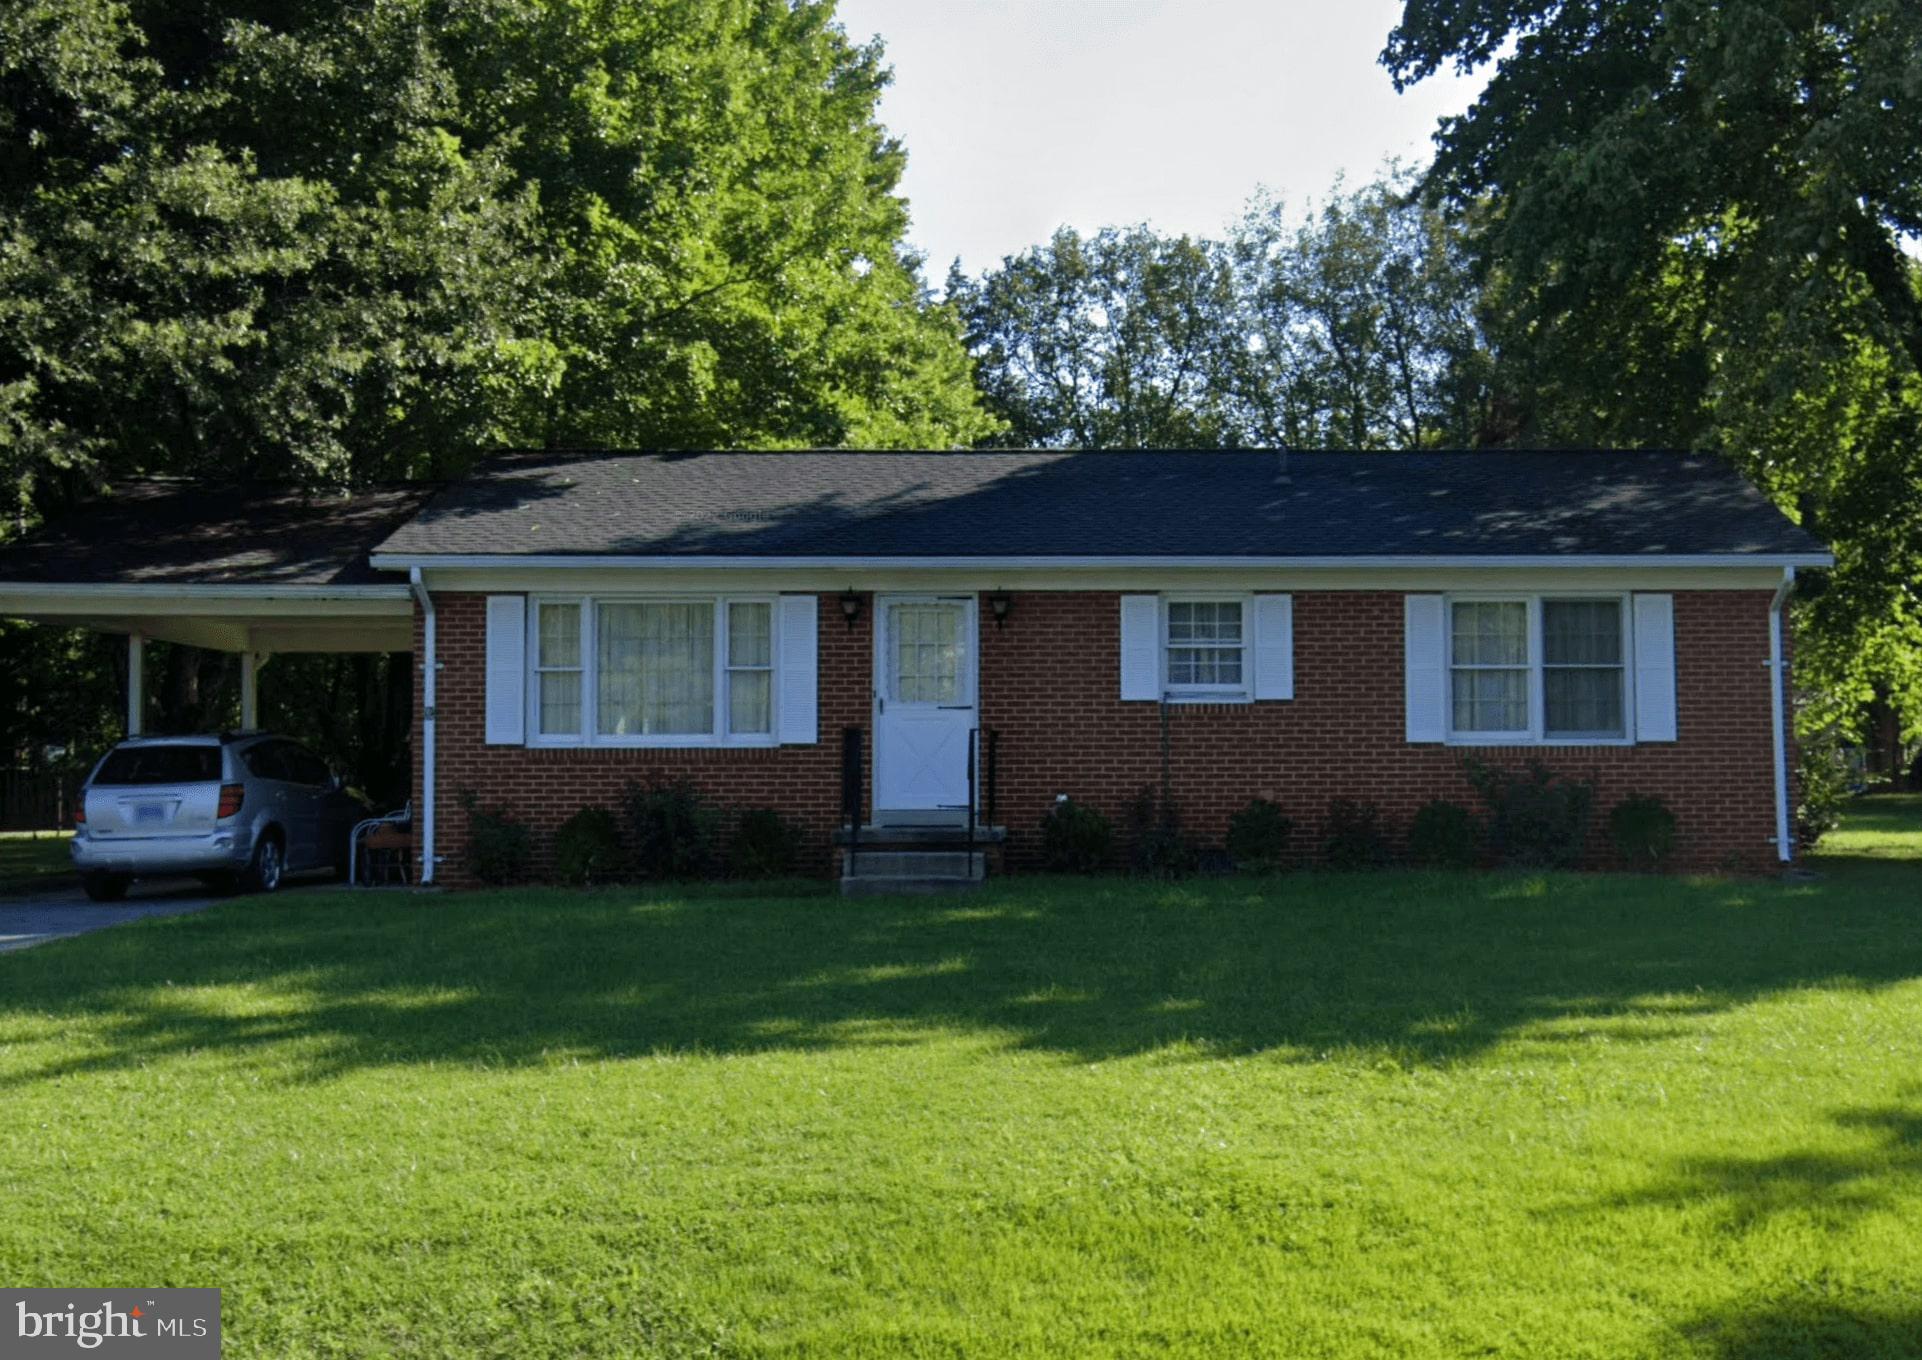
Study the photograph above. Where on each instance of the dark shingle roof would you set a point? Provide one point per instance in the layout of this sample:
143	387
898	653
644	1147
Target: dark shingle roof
1075	504
178	533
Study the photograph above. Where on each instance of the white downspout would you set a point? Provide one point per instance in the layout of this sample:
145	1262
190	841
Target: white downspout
1778	710
430	664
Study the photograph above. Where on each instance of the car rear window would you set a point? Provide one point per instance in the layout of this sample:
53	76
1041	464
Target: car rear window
161	765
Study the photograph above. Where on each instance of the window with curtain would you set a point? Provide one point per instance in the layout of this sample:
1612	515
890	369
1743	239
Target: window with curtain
1488	665
1205	645
1556	662
557	669
656	670
629	672
750	668
1582	678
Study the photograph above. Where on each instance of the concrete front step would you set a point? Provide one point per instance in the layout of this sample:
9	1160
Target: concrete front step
877	872
903	837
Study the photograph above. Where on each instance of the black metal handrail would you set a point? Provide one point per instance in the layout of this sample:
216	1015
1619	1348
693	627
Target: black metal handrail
974	734
851	790
990	769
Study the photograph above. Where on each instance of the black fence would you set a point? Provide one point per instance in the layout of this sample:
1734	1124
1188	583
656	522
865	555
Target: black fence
32	800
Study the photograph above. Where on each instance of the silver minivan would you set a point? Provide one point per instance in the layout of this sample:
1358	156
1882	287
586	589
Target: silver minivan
241	809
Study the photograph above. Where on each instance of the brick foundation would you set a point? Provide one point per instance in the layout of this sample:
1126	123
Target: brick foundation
1049	685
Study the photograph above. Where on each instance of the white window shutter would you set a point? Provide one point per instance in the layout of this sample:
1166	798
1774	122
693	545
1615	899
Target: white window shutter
1141	647
1425	666
1274	646
798	702
1655	668
506	670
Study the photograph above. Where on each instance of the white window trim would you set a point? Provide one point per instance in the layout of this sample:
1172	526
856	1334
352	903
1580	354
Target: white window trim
589	736
1536	734
1244	693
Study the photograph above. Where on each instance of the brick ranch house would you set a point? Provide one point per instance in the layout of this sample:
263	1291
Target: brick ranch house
924	649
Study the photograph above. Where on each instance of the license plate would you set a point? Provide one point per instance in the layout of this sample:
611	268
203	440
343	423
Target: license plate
145	814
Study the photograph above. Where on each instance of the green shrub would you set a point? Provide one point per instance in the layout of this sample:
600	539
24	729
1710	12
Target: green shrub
1443	836
1075	838
587	848
765	845
675	830
1157	846
1643	830
1353	837
1822	786
499	847
1537	819
1258	837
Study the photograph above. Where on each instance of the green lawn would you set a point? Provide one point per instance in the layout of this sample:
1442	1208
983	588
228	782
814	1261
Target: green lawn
1398	1115
33	859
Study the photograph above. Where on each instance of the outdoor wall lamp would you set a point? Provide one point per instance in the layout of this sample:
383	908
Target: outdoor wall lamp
999	604
850	607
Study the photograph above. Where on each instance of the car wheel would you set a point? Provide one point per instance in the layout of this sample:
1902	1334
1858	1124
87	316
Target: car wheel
269	864
104	887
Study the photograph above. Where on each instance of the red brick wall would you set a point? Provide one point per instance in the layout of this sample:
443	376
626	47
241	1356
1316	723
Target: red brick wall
547	786
1049	685
1064	730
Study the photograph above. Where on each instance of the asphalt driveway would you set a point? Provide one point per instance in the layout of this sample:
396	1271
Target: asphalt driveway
34	918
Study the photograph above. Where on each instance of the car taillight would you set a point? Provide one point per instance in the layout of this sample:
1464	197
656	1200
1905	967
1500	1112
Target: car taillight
230	796
80	811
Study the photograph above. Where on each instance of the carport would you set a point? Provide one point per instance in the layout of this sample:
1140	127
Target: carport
250	569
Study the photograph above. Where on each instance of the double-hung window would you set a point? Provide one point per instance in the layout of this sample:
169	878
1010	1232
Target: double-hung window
1206	649
669	671
1538	668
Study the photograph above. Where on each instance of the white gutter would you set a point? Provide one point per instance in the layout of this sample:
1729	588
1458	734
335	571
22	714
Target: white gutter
192	590
1435	561
429	665
1778	708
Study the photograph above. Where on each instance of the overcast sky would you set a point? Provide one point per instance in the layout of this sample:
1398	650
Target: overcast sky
1022	115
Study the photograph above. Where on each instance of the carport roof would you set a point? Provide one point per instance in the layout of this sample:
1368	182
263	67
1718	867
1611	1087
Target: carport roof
165	533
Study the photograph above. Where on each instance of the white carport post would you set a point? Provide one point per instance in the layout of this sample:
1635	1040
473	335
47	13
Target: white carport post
249	690
136	682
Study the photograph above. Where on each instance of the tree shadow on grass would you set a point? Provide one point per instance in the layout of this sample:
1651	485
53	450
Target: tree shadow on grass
1809	1330
1830	1183
1420	969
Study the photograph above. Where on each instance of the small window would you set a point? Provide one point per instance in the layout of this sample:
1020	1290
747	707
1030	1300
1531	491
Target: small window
750	668
928	650
557	669
1206	650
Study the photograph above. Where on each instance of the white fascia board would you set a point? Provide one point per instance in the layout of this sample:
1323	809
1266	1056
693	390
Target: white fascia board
689	562
30	598
207	590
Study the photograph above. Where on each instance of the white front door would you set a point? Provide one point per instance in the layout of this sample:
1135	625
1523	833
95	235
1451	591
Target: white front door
924	706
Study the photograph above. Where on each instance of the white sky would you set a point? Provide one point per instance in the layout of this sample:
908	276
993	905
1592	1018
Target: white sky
1022	115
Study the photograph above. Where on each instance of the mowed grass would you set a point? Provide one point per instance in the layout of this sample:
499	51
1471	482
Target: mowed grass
33	859
1395	1115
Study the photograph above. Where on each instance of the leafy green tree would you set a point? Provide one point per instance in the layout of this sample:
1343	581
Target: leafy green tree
1118	340
1356	326
1359	325
1695	217
338	241
347	240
